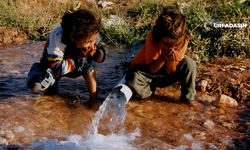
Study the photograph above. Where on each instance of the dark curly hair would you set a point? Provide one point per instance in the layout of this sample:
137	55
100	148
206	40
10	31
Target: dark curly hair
171	23
81	23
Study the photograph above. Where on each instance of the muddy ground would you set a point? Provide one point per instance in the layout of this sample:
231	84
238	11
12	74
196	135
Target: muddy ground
229	76
11	36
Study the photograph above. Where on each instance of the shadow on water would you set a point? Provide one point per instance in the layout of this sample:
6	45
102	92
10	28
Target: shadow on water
31	118
243	142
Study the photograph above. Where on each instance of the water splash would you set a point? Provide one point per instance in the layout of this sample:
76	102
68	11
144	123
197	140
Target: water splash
97	141
111	114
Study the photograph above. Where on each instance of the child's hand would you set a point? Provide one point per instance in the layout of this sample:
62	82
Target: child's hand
170	54
174	56
87	52
165	52
91	52
95	106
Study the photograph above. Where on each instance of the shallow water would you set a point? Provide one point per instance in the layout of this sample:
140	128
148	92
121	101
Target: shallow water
34	120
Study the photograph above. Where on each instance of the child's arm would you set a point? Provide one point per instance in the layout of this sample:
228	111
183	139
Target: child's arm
92	87
152	58
155	65
100	54
170	56
54	56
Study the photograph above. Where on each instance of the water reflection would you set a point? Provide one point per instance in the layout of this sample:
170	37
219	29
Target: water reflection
34	120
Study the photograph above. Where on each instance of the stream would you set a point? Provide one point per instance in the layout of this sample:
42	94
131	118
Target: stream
34	121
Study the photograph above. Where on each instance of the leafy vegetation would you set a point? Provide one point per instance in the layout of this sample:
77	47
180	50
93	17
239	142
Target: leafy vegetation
137	19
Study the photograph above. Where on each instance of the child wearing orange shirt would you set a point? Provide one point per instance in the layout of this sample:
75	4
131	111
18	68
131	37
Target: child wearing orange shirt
161	61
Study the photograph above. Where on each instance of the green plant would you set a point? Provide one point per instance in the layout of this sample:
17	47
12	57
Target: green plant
217	42
143	16
140	17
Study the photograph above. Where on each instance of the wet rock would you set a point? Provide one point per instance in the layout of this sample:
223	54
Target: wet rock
224	100
201	86
209	124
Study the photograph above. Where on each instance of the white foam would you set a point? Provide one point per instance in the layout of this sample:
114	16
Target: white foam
120	141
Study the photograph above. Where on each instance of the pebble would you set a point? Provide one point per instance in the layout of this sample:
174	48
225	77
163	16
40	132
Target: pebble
224	100
202	85
209	124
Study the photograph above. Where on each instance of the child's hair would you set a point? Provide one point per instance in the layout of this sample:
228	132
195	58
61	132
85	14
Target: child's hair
171	23
81	23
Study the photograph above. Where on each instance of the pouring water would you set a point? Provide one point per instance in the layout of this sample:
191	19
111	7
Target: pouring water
112	114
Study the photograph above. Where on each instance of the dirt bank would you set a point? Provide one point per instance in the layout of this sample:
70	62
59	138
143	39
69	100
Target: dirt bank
12	36
229	76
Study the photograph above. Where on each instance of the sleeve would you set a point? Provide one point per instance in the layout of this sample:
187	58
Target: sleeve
182	51
151	52
54	55
100	54
62	67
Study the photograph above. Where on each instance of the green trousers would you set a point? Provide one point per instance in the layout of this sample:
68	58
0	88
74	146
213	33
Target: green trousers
143	82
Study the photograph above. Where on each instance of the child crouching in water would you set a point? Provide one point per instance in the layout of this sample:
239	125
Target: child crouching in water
70	50
161	61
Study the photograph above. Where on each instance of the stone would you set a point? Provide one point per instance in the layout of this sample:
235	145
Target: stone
209	124
201	86
104	4
224	100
